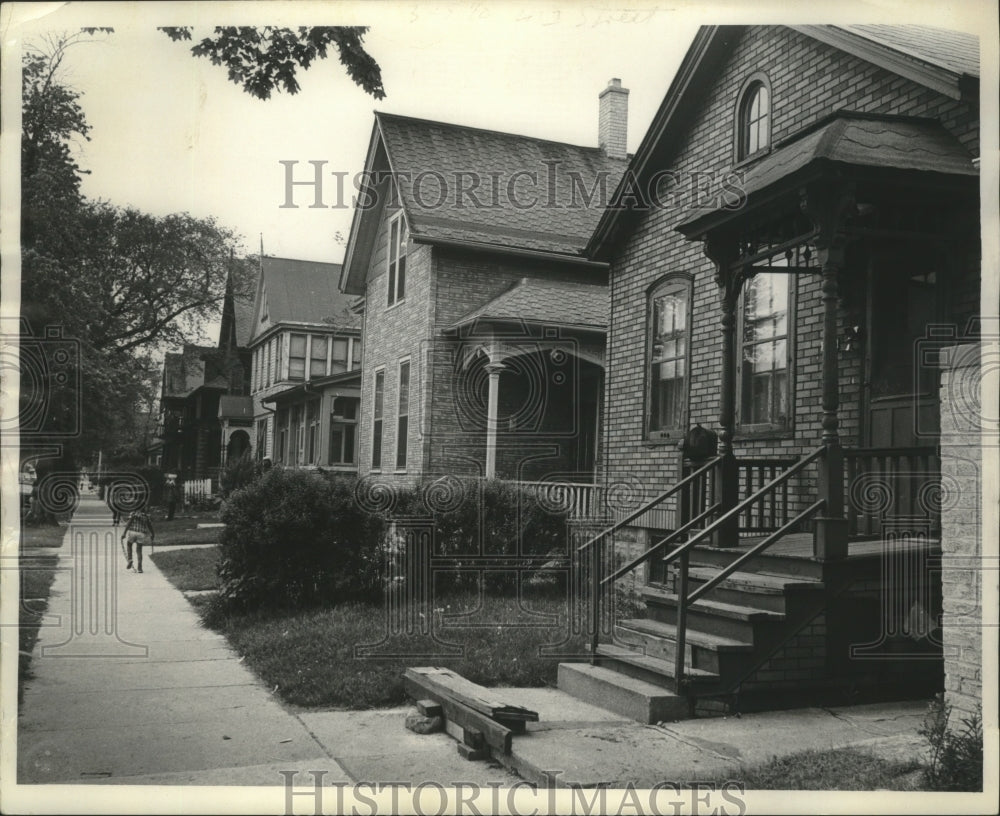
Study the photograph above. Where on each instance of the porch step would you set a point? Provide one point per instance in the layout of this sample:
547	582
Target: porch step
727	620
703	650
754	589
628	696
767	563
653	670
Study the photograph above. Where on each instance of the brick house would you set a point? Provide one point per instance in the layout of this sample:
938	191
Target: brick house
484	322
306	366
814	192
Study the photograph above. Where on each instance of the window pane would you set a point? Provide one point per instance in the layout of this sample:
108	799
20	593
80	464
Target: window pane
297	345
336	443
340	350
668	351
379	393
404	388
377	444
401	282
296	368
401	442
350	443
356	353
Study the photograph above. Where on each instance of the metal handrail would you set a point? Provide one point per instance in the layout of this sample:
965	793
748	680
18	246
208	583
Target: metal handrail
659	545
651	504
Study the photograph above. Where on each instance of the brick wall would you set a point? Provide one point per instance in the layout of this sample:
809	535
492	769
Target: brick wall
961	528
809	80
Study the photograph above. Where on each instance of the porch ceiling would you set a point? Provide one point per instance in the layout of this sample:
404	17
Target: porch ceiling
846	139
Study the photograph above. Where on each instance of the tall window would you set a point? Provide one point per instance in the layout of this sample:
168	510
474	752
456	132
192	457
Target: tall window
339	355
312	432
281	446
754	119
268	361
297	357
317	356
297	436
397	258
764	351
377	420
343	431
670	306
261	439
355	352
403	414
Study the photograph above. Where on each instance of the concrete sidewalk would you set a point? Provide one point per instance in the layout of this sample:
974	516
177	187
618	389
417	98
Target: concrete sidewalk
129	688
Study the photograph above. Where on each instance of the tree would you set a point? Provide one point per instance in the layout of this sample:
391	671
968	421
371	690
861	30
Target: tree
262	60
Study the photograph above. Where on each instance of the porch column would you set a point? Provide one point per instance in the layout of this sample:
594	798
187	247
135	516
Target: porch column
493	369
722	253
829	205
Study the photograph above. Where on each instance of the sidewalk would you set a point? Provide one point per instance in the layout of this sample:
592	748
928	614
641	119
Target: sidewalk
130	688
135	691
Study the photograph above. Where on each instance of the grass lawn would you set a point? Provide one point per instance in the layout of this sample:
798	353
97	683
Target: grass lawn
310	656
37	564
192	569
835	769
183	527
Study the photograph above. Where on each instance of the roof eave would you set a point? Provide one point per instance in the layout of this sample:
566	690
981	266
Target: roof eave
588	328
520	252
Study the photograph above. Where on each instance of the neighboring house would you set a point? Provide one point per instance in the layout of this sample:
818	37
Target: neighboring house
484	322
812	252
306	366
204	397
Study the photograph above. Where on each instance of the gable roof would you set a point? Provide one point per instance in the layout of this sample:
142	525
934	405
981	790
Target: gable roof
483	188
243	312
937	58
302	292
548	302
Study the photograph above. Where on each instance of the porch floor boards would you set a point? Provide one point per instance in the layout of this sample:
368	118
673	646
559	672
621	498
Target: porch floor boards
800	545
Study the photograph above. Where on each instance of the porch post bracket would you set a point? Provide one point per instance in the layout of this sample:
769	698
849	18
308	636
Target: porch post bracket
830	205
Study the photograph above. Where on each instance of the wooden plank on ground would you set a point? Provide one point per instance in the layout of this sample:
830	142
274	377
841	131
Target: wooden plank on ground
458	715
471	694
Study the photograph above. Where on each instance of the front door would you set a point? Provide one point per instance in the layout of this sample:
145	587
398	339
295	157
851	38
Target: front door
902	399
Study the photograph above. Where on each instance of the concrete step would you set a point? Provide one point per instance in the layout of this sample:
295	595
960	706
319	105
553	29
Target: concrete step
735	621
651	669
633	698
768	563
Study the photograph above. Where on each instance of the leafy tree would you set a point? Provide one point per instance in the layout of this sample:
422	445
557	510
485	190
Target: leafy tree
262	60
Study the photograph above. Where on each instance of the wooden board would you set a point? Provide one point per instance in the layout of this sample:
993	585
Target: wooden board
483	700
460	716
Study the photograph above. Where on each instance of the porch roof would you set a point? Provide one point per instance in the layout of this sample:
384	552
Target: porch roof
344	379
552	303
851	139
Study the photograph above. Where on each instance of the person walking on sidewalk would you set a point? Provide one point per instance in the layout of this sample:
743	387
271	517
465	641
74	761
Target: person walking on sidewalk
138	530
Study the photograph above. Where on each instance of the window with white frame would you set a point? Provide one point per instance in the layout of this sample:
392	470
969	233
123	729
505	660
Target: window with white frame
403	414
754	118
765	353
340	350
344	431
312	432
377	420
317	356
297	357
669	344
397	259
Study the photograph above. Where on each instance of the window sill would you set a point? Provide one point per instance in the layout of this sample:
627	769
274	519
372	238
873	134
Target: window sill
763	432
392	306
746	161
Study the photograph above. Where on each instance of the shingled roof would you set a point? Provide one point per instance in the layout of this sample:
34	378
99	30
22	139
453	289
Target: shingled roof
305	292
432	159
954	51
547	302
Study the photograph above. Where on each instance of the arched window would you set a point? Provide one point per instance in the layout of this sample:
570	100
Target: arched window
754	131
669	345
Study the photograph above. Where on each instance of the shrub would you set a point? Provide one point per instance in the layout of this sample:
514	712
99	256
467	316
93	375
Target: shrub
295	540
956	757
475	520
237	474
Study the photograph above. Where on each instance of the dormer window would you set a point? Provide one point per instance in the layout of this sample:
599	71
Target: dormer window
754	118
397	258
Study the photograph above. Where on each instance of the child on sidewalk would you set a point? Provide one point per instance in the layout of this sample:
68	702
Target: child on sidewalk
137	530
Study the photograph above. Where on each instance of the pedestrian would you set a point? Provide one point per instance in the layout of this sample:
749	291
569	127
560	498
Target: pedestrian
172	497
138	530
111	497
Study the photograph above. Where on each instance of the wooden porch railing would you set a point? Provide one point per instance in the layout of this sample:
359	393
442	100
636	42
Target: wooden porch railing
884	483
579	500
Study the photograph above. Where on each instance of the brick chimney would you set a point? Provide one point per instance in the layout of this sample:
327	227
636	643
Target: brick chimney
612	122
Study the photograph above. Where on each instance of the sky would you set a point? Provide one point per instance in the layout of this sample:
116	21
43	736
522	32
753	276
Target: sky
170	133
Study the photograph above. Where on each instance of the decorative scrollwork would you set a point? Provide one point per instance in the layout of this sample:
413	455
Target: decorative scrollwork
871	493
374	495
445	494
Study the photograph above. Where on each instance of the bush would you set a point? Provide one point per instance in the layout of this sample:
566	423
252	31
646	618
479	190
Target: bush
956	757
237	474
295	540
476	519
